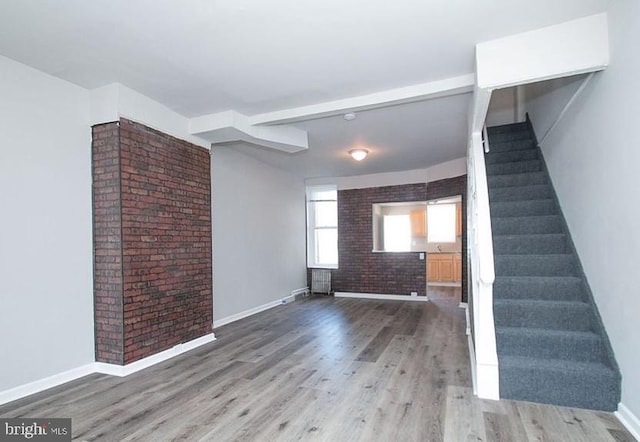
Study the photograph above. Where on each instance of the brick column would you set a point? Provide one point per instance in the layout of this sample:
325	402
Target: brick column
152	240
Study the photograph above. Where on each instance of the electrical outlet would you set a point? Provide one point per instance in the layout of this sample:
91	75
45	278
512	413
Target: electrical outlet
422	256
414	293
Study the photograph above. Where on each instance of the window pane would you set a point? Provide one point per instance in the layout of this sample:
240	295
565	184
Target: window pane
441	223
326	213
397	233
324	195
326	246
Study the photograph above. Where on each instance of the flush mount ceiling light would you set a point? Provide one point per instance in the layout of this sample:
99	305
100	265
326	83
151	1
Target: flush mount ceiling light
358	154
349	116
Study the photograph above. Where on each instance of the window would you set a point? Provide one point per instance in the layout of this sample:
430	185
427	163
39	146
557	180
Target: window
441	219
399	226
397	233
322	227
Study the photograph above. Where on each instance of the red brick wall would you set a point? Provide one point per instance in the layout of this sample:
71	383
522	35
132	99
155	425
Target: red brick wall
363	271
107	244
165	213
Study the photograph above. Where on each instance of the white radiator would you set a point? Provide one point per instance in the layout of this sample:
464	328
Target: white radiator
321	281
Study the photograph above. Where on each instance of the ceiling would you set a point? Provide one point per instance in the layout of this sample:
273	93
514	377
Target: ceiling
199	57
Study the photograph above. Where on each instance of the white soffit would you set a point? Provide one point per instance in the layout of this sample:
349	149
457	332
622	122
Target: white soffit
569	48
231	126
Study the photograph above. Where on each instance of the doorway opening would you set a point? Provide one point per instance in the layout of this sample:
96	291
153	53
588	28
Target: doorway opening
444	247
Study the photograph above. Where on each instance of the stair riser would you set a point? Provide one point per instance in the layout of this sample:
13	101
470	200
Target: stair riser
529	244
569	347
507	128
511	136
529	265
575	317
581	390
520	179
523	208
510	156
557	289
516	167
524	226
510	146
520	193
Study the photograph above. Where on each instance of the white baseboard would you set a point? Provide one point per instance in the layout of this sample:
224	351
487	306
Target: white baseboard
444	284
46	383
125	370
472	361
100	367
300	291
465	306
252	311
629	420
381	296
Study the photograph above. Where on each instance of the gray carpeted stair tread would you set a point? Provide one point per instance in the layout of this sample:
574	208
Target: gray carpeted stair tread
516	179
510	156
510	146
537	244
504	209
582	346
549	288
520	193
507	128
511	136
536	265
514	167
522	225
589	385
553	315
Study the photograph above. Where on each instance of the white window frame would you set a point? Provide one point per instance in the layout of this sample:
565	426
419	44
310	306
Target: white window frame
311	226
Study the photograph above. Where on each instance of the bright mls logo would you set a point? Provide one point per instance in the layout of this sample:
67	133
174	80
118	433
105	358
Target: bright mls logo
35	429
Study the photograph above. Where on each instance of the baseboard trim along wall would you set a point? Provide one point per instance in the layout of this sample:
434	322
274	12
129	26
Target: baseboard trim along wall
102	368
252	311
125	370
381	296
444	284
44	384
629	420
465	306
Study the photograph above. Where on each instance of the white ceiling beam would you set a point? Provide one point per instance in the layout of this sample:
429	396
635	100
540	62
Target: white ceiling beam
272	129
391	97
231	126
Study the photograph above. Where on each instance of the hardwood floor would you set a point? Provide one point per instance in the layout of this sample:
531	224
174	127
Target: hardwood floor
317	369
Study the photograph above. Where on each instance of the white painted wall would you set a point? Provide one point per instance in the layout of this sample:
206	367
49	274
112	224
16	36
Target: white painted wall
441	171
110	102
593	156
46	291
545	101
258	233
502	107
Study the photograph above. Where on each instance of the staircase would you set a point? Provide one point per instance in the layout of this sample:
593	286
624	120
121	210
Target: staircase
552	347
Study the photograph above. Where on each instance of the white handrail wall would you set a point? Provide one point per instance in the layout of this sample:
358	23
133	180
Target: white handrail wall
485	363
